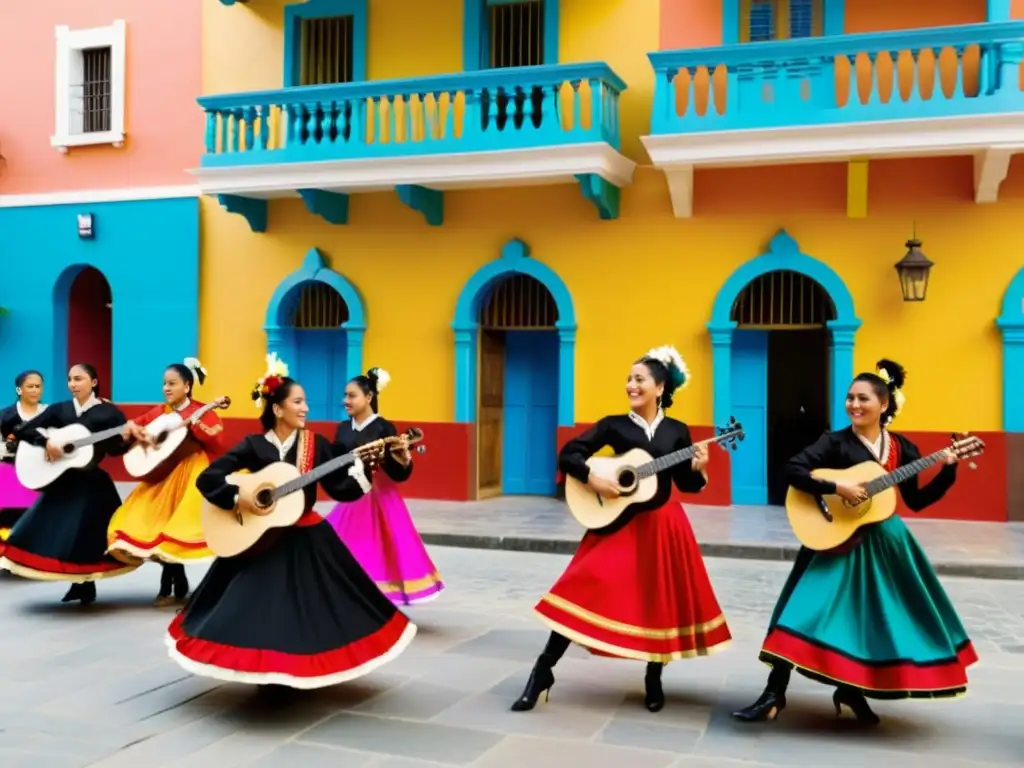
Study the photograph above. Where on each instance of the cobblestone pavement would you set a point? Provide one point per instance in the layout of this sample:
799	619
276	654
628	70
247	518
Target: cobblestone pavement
94	687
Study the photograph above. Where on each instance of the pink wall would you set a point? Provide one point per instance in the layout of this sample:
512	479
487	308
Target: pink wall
163	123
691	24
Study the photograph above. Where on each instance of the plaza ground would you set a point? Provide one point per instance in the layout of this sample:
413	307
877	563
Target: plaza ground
94	687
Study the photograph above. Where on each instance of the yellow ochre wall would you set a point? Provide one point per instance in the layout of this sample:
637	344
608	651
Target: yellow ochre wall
642	280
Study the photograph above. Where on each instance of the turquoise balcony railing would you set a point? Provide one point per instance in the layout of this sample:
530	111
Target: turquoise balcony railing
486	111
925	73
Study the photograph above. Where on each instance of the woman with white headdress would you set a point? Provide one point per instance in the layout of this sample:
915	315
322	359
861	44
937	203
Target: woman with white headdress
162	521
377	527
637	589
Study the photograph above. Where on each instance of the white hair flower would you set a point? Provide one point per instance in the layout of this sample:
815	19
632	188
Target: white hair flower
383	379
898	399
669	357
193	364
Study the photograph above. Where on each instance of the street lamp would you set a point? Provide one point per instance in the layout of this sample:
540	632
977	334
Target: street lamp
913	270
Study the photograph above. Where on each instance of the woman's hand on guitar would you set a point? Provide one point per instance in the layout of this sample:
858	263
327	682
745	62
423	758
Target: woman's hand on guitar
53	451
604	488
854	494
701	456
950	456
400	452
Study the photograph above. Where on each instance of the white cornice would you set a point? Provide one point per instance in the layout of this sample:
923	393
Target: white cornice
544	165
84	196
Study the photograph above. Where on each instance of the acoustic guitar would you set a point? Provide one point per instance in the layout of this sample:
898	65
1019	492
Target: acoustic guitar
635	474
275	493
36	471
169	433
822	523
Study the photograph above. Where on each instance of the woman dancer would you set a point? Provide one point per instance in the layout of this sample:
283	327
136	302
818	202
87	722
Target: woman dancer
296	610
378	528
162	521
638	589
63	535
14	497
871	617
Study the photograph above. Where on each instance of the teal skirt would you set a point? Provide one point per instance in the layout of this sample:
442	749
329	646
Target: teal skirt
874	618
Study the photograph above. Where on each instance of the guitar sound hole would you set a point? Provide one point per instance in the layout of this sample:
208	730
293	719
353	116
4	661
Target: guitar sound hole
160	438
264	498
68	448
627	478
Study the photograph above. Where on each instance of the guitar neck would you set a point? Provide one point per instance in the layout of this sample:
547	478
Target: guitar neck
670	460
195	417
905	472
314	475
98	437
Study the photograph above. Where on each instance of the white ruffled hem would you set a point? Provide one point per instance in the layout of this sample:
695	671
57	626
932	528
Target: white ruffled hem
279	678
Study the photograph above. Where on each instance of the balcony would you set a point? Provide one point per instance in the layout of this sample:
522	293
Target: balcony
926	92
523	126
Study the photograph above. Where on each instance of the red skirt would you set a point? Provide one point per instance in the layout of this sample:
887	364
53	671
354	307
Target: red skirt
639	593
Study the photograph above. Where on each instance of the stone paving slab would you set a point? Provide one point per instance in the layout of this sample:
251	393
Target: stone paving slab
93	688
538	524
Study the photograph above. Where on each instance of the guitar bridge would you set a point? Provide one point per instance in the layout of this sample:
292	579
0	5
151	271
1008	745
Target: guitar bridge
823	508
238	516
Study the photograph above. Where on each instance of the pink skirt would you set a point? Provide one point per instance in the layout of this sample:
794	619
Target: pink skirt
13	495
379	532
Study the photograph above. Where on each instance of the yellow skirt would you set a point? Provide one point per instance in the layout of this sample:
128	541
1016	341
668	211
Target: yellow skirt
163	521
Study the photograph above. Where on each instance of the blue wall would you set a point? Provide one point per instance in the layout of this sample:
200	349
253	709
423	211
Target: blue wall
148	251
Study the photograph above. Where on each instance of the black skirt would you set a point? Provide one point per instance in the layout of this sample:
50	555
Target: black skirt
297	610
63	536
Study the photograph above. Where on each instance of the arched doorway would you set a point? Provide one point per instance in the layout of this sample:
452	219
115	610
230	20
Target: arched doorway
316	322
518	413
1011	325
780	367
321	349
782	333
90	326
515	357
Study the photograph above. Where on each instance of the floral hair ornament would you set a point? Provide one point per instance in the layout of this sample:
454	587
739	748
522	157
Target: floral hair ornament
381	377
276	373
198	371
669	356
898	397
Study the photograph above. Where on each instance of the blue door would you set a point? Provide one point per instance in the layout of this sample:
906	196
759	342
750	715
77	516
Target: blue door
750	406
530	413
320	368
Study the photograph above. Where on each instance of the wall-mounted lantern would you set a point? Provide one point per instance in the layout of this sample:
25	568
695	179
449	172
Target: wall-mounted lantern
85	230
914	269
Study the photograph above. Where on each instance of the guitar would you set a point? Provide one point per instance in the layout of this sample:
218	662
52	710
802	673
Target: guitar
168	431
35	471
634	472
825	522
274	491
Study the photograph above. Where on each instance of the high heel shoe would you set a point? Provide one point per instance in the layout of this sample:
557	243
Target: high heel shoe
541	681
768	707
654	694
73	593
857	703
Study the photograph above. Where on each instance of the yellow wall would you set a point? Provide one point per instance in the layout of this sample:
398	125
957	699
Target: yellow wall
643	280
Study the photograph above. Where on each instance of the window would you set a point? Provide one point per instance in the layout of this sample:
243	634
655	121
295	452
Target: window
779	19
326	50
90	87
516	34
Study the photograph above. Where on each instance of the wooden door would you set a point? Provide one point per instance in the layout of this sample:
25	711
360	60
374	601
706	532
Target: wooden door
489	418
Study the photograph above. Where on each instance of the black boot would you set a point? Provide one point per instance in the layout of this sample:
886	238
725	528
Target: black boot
542	678
73	593
654	695
88	593
772	701
180	581
854	699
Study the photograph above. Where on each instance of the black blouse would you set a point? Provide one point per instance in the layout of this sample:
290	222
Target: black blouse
621	433
347	439
256	452
102	416
10	421
843	449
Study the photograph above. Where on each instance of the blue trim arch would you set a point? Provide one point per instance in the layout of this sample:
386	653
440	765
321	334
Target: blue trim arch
61	300
1011	324
784	254
280	338
515	259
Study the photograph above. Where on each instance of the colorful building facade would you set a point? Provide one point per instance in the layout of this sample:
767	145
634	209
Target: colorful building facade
504	203
99	217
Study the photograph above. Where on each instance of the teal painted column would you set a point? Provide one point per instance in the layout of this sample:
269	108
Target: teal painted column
721	371
354	336
1013	374
835	17
566	375
841	369
465	375
997	10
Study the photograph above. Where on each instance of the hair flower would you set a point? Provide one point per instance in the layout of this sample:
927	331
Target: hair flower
899	400
884	375
669	357
382	377
276	373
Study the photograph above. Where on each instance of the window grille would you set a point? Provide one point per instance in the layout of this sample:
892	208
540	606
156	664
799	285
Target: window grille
93	93
519	302
320	307
326	50
517	34
783	300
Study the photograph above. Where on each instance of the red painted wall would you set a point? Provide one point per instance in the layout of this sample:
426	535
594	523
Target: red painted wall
446	470
89	325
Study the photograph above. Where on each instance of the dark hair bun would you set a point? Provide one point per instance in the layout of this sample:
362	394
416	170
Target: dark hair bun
897	374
